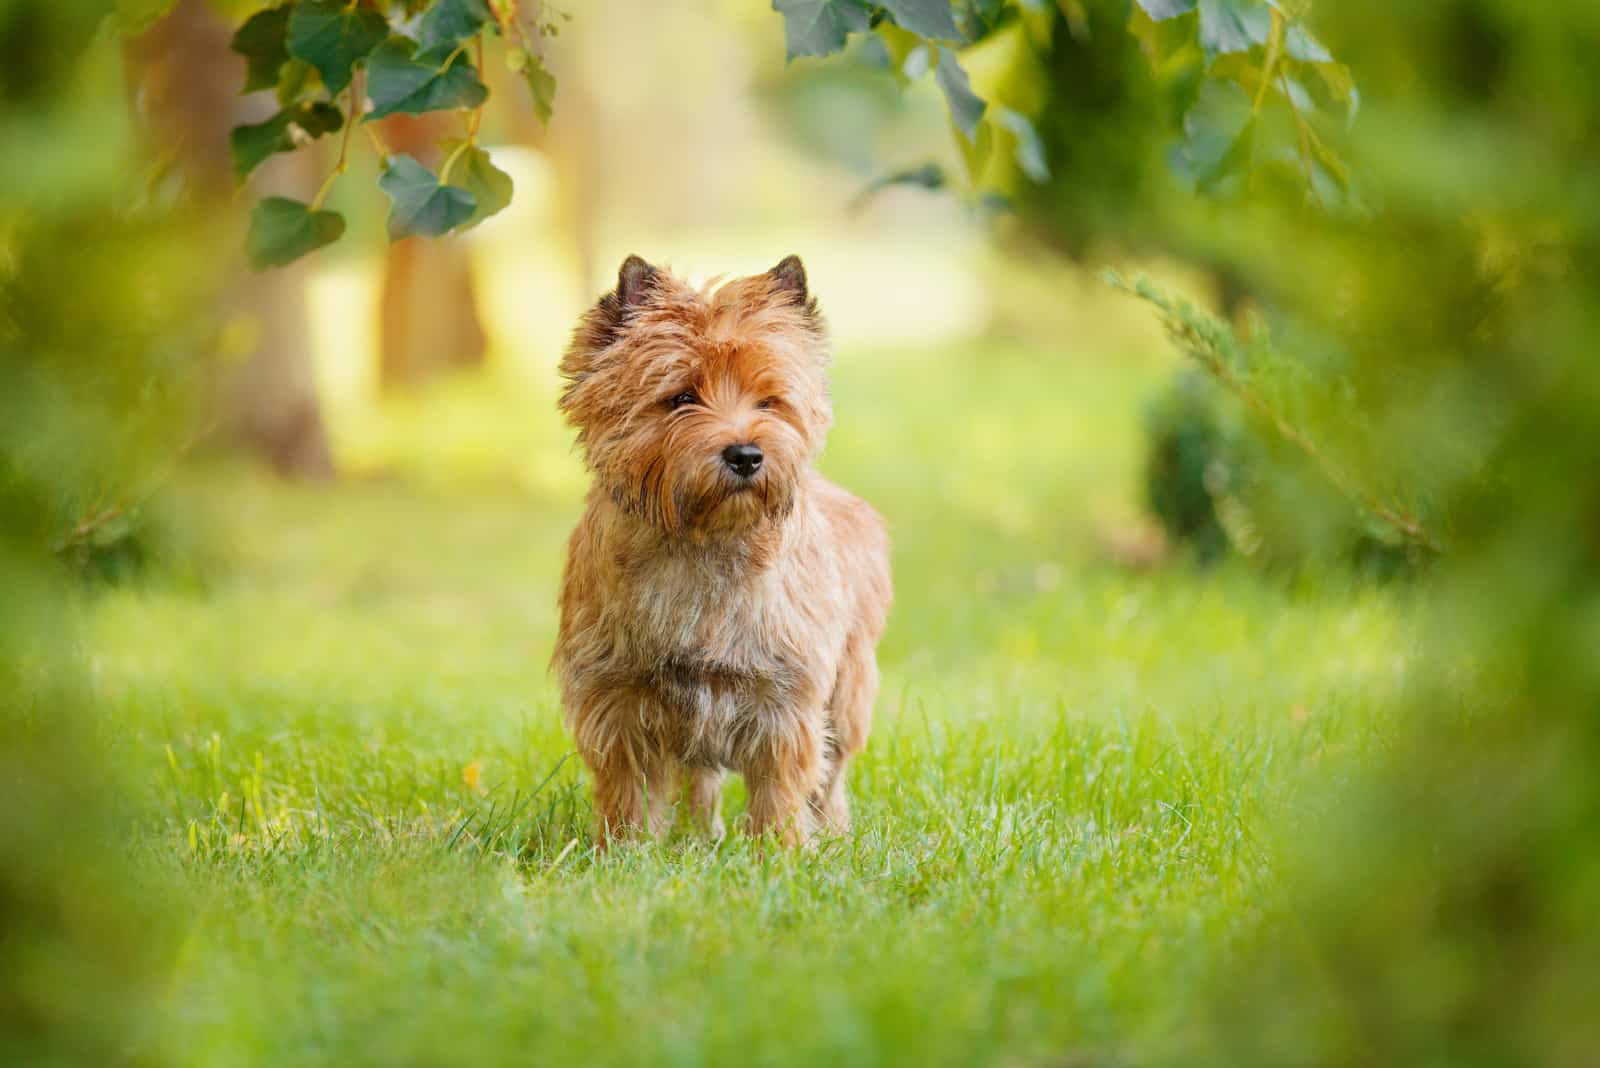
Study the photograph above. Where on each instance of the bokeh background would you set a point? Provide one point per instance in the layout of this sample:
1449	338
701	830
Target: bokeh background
1240	698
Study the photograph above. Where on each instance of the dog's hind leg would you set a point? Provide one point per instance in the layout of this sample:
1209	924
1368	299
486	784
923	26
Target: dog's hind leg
850	721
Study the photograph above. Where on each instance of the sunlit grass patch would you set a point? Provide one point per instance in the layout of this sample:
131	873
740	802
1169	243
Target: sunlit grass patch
347	743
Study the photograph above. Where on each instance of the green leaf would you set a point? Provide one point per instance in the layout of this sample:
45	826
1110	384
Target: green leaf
1300	45
452	21
1297	94
295	78
1336	77
1228	26
475	172
1161	10
398	81
929	176
284	132
1211	129
541	83
283	230
925	176
423	207
820	27
264	43
1029	152
929	18
333	36
906	55
966	109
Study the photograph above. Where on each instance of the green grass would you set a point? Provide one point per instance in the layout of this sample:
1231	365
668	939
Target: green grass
1064	819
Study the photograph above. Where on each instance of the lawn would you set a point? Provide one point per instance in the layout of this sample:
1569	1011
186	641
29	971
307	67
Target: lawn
350	753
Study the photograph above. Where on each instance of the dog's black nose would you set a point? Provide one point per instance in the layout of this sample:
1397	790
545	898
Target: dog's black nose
742	460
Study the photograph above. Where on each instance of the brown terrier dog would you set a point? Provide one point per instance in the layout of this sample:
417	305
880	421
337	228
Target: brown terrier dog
722	600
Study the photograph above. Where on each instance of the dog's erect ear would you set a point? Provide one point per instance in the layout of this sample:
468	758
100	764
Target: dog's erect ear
600	327
634	281
789	281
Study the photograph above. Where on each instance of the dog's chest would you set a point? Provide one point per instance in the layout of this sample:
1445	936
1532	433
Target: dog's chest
690	612
712	651
714	718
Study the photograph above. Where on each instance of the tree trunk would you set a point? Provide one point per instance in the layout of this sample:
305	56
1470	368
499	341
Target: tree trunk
429	316
186	81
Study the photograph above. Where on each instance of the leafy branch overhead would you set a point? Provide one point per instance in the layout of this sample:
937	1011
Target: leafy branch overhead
1268	97
334	65
1268	101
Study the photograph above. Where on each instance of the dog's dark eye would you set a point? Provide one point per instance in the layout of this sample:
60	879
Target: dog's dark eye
767	403
688	396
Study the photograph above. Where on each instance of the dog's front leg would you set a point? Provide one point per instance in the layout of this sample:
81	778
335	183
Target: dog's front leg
781	774
632	795
635	779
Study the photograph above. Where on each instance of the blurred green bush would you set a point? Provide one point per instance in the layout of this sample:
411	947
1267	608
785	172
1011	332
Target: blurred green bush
99	282
1436	911
1220	482
1191	463
1429	296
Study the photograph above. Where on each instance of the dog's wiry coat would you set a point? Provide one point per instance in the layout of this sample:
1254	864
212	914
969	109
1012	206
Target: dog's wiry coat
711	621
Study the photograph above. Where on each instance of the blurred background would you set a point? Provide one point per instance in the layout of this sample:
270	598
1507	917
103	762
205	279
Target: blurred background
683	136
1241	701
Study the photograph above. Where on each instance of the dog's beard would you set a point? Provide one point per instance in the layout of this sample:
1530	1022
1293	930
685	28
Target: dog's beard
706	501
726	506
734	507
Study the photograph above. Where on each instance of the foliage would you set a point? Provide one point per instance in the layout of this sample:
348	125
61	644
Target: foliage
283	230
1274	391
1434	894
1263	99
101	369
96	365
1448	311
1267	91
1087	97
284	132
334	65
423	206
1191	463
1220	480
490	187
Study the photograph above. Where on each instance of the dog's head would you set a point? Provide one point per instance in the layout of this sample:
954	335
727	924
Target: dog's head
699	411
